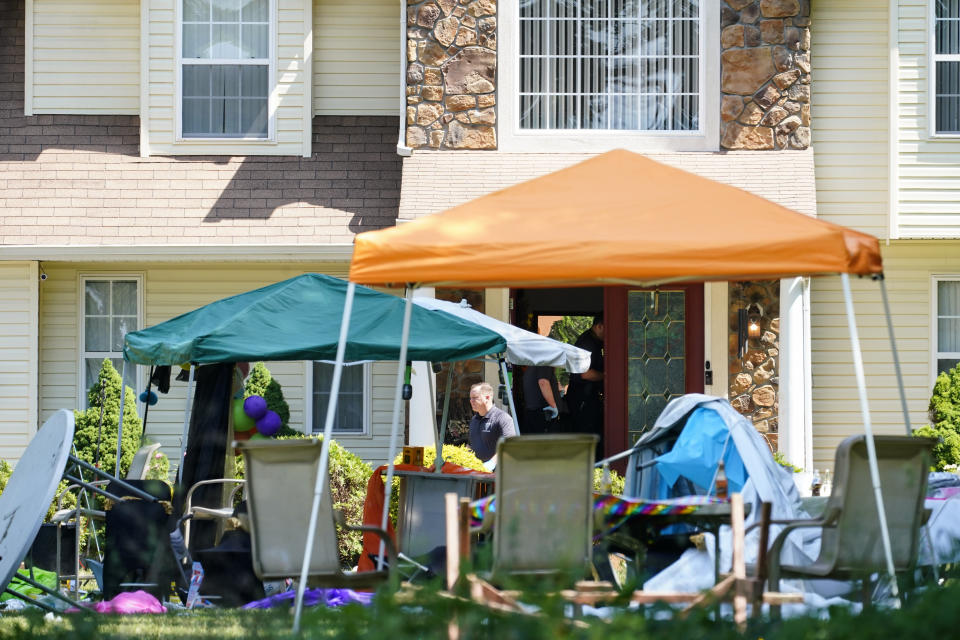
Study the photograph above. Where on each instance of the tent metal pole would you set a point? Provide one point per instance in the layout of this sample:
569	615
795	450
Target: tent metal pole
438	441
509	394
868	429
446	408
903	405
318	486
896	356
395	427
186	421
123	395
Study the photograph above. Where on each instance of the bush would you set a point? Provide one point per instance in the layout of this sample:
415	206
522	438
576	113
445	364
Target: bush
69	500
261	383
457	454
617	483
159	467
87	428
348	489
945	414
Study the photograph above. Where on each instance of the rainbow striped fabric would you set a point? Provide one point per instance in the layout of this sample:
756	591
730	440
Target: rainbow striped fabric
615	510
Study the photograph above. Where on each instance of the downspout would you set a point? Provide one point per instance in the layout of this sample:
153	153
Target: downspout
402	148
893	133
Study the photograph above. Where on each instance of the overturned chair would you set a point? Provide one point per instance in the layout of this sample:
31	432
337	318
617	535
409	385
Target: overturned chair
280	481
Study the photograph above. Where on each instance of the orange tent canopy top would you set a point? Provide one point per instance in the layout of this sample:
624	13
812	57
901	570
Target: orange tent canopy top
616	218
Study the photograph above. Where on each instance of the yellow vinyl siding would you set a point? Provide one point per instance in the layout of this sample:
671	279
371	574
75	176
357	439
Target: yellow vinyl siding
928	195
908	267
169	290
18	349
286	101
849	112
356	57
86	57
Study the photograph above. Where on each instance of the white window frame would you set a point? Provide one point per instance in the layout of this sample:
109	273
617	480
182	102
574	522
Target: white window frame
935	353
512	138
367	404
82	353
273	98
932	59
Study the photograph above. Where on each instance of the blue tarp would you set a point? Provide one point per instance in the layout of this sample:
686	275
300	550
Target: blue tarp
705	437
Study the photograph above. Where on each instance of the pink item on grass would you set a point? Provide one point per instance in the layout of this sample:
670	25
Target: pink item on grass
131	602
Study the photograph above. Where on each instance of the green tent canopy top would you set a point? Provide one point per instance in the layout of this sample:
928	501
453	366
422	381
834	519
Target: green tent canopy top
299	319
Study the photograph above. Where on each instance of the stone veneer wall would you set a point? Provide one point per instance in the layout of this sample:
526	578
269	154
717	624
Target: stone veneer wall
765	74
451	74
755	378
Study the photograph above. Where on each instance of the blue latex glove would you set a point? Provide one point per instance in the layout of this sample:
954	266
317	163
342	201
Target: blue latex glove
550	413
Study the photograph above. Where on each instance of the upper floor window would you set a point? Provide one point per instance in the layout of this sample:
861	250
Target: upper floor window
111	309
947	334
946	63
225	68
590	75
610	64
352	406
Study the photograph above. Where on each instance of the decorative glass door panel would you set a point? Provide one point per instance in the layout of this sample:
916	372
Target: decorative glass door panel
656	355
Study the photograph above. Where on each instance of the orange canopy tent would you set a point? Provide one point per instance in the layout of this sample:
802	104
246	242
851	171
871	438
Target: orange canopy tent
616	218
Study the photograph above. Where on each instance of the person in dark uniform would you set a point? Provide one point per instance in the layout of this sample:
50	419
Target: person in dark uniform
488	425
585	394
540	396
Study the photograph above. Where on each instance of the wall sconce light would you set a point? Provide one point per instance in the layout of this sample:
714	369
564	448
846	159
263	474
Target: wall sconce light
754	314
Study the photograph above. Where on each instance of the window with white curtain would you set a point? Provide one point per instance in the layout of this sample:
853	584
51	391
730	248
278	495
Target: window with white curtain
610	64
946	66
947	348
225	68
110	311
352	407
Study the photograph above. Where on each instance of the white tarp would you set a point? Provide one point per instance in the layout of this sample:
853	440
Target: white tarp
523	347
769	482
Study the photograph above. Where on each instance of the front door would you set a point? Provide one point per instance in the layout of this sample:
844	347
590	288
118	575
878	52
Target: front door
654	353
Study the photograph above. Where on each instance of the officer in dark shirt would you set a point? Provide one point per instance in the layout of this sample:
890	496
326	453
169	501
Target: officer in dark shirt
540	396
585	394
488	425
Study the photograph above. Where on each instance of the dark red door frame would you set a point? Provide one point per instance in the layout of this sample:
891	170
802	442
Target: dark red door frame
615	358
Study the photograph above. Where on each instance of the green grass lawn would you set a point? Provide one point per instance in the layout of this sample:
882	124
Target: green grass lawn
933	615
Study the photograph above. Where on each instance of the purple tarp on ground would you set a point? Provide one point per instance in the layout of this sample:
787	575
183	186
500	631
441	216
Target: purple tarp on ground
311	597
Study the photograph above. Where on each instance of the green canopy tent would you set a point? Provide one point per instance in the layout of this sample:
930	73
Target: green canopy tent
300	319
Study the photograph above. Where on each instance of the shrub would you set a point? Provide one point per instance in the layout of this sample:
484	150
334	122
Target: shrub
159	467
457	454
69	500
617	483
261	383
348	489
87	428
781	460
945	415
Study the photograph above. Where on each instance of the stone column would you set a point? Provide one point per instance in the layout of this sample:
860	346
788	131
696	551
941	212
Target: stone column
765	74
451	74
754	379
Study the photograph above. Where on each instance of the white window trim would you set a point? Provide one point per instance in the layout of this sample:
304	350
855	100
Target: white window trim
932	58
512	139
935	353
367	432
273	97
82	279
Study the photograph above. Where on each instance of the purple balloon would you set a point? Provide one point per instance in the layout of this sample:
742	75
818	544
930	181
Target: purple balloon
269	424
255	407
